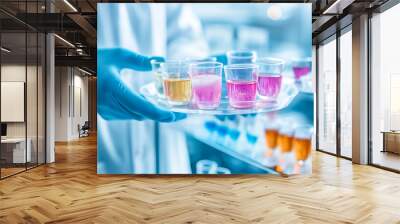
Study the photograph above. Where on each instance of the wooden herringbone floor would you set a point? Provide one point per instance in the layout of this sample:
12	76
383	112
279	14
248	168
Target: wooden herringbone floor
69	191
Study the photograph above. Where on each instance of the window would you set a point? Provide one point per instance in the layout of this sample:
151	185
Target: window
327	96
385	89
346	93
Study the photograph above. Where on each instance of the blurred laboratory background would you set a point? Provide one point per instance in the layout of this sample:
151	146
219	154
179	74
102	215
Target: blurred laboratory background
273	30
251	144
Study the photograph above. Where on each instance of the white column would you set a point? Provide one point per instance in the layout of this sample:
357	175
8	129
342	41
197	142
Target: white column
50	99
360	90
314	83
50	92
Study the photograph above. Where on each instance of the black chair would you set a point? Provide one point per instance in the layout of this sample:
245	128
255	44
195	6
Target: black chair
84	129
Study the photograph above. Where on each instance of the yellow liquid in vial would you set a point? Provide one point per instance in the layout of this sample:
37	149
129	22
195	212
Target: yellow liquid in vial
178	90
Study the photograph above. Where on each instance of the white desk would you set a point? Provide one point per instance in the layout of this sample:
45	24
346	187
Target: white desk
18	150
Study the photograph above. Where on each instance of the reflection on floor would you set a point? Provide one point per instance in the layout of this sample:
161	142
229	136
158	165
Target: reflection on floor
10	169
387	159
70	191
346	152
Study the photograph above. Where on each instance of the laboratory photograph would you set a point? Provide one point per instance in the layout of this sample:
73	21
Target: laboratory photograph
231	90
169	112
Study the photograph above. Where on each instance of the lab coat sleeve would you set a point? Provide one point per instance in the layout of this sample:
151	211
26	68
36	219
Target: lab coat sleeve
185	37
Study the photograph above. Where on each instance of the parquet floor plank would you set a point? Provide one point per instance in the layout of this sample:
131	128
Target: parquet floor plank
70	191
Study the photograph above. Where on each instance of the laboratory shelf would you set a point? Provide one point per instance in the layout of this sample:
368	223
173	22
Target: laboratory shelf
203	136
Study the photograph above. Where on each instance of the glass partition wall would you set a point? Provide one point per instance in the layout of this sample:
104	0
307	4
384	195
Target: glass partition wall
334	106
13	90
22	77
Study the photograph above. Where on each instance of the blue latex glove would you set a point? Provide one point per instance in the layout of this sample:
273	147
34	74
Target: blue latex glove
116	100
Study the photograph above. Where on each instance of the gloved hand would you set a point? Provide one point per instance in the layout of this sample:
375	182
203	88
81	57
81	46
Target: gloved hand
116	101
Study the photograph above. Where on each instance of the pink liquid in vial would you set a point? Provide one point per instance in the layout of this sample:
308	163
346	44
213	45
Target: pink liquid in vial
300	72
206	91
242	94
269	86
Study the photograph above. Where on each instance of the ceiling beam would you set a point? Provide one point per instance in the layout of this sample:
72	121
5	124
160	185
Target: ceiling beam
338	6
79	61
84	24
320	22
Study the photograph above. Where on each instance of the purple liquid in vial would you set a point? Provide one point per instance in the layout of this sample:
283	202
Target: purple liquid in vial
206	90
242	94
300	72
269	86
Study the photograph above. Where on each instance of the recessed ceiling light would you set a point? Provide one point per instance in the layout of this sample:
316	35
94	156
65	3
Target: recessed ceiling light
5	50
70	5
84	71
338	6
64	40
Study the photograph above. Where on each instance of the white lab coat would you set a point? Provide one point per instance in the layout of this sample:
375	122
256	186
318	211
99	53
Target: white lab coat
169	30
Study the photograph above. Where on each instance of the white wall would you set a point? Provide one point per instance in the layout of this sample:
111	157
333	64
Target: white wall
12	73
79	117
70	84
62	82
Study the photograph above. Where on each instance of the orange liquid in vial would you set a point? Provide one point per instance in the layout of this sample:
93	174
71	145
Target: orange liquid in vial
302	148
271	138
285	143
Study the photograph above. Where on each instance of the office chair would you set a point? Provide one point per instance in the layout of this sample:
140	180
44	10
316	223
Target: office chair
84	130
